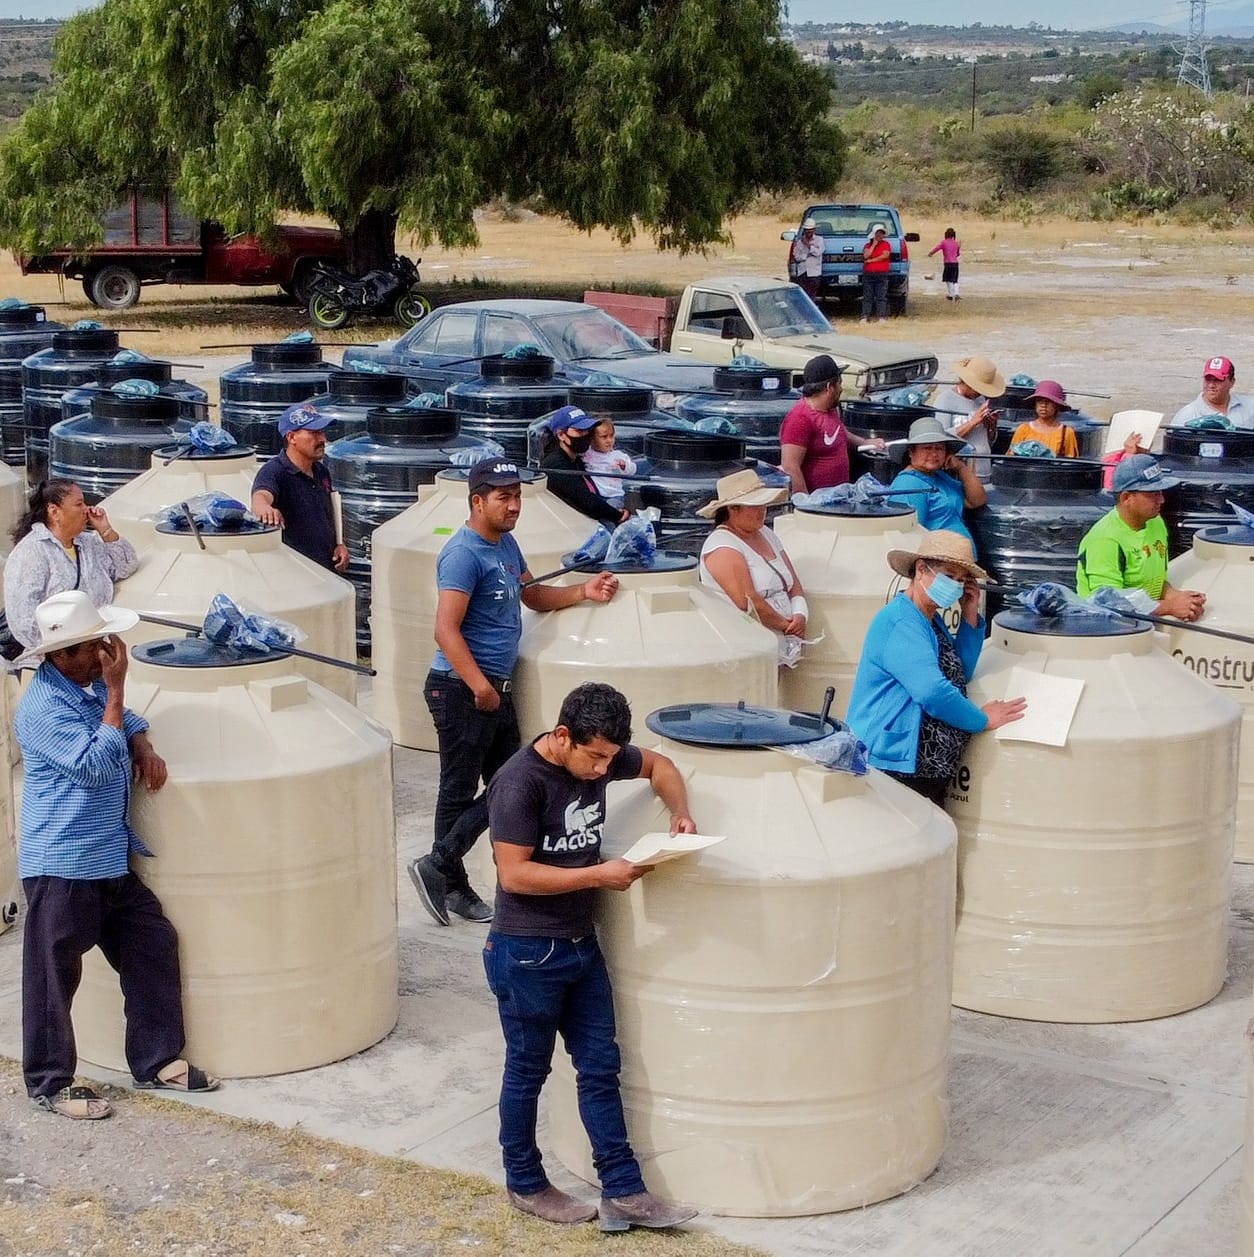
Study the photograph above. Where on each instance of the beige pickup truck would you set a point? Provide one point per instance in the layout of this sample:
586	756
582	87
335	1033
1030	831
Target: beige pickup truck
715	320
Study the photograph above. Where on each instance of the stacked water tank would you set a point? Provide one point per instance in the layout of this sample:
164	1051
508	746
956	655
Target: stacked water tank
782	998
285	906
176	474
1037	513
24	330
130	365
74	358
1012	409
113	442
378	472
1094	876
507	396
888	422
661	638
752	400
629	407
255	393
841	557
1214	468
403	584
180	571
351	395
1220	564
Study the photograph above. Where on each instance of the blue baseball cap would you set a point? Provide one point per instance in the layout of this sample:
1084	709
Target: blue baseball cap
571	417
303	418
1141	473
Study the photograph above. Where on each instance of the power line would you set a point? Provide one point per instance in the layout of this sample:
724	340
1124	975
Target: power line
1194	68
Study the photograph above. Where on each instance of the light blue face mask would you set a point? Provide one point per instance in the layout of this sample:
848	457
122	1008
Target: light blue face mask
944	591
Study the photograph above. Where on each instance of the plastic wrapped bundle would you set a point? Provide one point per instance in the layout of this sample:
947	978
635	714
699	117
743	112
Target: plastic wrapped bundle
634	542
136	388
208	438
298	338
208	510
524	352
1211	423
476	454
228	625
1032	449
594	549
840	752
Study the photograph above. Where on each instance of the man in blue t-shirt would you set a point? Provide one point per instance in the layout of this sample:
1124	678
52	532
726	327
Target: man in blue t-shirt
482	580
543	963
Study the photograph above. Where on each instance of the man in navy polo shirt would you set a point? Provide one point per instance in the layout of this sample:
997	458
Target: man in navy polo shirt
482	580
293	490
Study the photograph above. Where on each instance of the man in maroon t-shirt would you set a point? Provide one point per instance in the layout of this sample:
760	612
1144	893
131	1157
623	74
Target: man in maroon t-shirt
814	443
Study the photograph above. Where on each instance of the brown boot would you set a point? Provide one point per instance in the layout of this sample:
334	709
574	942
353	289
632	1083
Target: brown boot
553	1206
642	1209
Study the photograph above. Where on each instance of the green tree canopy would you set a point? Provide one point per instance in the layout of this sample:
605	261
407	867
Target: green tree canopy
665	116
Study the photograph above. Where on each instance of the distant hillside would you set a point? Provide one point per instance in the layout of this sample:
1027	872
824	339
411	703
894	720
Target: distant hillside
1220	22
25	63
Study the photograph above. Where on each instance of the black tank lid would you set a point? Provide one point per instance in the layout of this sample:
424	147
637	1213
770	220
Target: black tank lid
400	423
499	367
362	386
1068	625
736	725
185	455
888	509
197	652
663	561
157	409
1054	475
1229	535
693	447
23	316
288	354
772	381
85	340
1207	446
151	369
245	528
601	399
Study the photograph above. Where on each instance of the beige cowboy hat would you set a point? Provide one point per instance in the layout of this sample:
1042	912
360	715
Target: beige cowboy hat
68	618
981	375
941	546
742	488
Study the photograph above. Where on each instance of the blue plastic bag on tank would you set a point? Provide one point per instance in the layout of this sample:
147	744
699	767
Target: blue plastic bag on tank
424	401
216	510
87	325
473	454
840	752
717	424
12	303
908	396
633	542
207	437
746	362
367	366
1032	449
227	624
298	338
594	549
136	388
1022	381
1211	423
124	357
1244	518
525	351
865	491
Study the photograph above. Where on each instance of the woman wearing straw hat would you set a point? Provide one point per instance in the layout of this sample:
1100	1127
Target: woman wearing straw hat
743	561
909	702
965	411
952	485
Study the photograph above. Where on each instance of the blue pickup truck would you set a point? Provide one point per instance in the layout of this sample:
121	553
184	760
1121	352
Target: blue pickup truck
844	230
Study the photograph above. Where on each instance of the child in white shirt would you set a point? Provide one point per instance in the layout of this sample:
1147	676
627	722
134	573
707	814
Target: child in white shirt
601	456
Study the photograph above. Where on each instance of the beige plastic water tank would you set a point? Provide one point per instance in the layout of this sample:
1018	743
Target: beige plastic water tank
1094	877
402	618
177	580
1221	565
175	476
12	505
1247	1157
783	998
275	861
841	559
661	639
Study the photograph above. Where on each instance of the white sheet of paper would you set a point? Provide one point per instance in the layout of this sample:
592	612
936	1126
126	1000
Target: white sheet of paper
1052	701
1125	422
658	848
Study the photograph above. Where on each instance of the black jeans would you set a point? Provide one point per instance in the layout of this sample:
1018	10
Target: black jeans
473	745
875	295
65	918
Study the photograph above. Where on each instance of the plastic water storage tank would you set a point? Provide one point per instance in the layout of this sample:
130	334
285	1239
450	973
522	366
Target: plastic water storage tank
1037	513
12	504
783	998
502	402
841	556
1094	877
285	901
24	330
192	399
661	638
1215	468
177	580
257	392
351	395
629	407
1221	565
754	400
378	472
175	475
403	589
73	359
114	442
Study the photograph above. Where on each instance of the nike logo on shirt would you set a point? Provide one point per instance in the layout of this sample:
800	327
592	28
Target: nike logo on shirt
830	440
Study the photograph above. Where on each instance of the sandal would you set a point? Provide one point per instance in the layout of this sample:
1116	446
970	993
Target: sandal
180	1076
81	1104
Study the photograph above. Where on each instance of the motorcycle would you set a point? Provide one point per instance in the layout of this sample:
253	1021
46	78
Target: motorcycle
335	296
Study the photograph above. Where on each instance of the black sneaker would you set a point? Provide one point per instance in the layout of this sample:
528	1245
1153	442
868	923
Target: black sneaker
468	905
429	883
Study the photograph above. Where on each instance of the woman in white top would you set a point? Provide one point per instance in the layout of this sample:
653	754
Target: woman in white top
61	543
743	560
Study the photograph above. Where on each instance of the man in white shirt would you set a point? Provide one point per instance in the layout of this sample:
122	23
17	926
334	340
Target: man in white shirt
1217	397
806	260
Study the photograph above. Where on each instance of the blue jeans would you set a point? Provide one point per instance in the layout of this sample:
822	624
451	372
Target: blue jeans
542	986
875	295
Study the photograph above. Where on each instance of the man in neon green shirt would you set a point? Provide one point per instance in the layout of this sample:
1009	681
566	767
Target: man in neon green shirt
1127	548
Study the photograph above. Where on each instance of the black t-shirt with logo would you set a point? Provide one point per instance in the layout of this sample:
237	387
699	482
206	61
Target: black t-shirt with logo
532	803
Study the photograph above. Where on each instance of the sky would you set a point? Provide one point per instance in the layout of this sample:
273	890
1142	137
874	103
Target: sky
1077	14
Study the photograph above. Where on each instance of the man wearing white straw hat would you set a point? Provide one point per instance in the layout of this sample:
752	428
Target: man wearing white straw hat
81	747
963	408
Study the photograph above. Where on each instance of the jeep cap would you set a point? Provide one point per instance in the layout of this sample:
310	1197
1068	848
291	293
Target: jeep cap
493	473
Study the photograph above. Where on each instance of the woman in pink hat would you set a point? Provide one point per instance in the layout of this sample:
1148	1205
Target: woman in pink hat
1048	427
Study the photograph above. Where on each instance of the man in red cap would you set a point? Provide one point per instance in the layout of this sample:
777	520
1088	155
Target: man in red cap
1217	397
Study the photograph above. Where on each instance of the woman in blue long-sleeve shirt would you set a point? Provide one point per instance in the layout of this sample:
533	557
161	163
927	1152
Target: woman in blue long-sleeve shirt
909	702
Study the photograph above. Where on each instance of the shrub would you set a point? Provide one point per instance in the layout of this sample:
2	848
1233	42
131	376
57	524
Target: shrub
1022	157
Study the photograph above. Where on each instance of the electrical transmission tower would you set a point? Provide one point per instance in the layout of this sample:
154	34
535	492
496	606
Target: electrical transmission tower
1194	68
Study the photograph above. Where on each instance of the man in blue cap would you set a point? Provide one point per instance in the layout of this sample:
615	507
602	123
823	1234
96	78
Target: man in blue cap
1127	548
293	490
570	431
